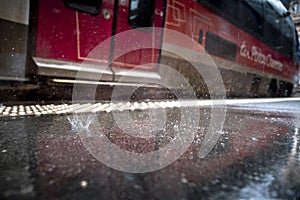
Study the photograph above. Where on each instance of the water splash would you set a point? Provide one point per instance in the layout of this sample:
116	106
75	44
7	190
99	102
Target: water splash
258	190
81	122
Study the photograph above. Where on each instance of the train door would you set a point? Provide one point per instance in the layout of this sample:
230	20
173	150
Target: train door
135	15
68	30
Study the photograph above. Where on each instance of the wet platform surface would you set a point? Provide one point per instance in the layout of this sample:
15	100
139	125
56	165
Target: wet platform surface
56	154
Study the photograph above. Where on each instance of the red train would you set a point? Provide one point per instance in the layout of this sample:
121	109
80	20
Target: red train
253	42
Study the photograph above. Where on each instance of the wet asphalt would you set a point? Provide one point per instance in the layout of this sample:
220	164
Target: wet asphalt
256	156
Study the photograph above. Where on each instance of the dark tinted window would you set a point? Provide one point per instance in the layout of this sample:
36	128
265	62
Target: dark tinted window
272	33
251	17
141	13
228	9
278	32
218	46
246	14
200	40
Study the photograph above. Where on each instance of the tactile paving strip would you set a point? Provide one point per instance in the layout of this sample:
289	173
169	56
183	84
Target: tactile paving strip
25	110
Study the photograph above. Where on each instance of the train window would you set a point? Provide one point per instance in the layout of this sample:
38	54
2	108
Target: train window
251	17
296	45
248	20
218	46
288	32
141	13
227	9
92	7
200	40
277	33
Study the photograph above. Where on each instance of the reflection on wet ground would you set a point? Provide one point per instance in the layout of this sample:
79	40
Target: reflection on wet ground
256	157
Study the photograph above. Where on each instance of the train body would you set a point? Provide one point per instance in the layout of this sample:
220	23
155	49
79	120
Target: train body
252	42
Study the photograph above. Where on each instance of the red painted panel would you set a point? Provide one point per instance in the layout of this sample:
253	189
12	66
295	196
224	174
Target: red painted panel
56	35
65	34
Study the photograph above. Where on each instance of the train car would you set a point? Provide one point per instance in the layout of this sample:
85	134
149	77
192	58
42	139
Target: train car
252	42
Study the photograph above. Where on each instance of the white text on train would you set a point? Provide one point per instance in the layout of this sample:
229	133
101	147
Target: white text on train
254	54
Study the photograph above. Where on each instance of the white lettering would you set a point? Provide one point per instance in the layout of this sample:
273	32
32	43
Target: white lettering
256	55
